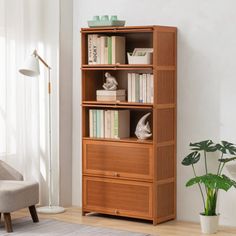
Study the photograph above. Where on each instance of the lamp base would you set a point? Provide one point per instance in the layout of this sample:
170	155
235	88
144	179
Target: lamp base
51	210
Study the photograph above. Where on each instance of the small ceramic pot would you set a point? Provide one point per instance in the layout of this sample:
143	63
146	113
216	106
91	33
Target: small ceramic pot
209	224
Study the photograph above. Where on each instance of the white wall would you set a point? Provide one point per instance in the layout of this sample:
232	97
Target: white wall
206	80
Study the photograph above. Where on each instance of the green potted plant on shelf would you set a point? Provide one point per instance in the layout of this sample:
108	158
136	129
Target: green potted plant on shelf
209	184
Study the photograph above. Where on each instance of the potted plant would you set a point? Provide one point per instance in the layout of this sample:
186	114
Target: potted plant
210	183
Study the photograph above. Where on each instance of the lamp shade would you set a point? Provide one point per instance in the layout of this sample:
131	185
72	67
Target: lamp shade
31	67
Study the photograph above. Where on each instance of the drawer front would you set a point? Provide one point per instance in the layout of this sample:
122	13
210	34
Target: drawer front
117	197
118	159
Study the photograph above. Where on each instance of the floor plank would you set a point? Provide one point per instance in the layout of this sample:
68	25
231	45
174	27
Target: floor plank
171	228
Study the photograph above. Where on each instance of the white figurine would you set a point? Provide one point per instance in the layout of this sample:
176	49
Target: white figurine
143	130
111	83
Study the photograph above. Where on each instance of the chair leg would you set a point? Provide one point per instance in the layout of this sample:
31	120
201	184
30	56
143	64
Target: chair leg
34	214
8	224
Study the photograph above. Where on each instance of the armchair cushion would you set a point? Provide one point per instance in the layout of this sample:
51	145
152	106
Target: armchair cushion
15	195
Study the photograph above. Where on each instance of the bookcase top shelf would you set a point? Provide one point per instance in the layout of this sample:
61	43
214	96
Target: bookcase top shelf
124	29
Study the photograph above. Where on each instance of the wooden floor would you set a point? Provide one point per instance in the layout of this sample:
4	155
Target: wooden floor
171	228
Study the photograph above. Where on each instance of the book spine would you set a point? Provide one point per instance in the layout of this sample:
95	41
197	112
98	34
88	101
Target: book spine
152	88
94	123
98	124
116	120
102	50
141	88
137	92
106	51
133	88
108	124
98	43
144	88
113	50
109	50
112	123
102	123
90	49
95	52
129	87
91	123
148	88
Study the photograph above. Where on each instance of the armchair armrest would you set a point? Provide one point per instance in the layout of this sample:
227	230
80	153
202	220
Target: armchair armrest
9	173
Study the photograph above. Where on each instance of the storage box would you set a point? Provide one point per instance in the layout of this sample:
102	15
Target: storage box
146	59
110	96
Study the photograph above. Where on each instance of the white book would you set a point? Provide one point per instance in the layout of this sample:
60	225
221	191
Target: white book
133	87
107	124
106	50
148	88
152	88
102	124
95	51
91	123
98	44
141	88
112	123
90	49
129	87
144	88
102	49
137	88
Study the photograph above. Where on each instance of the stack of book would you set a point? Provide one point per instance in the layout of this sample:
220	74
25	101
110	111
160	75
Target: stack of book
105	49
106	95
140	88
109	123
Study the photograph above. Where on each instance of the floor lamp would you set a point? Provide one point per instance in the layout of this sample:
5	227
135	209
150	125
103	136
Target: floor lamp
31	69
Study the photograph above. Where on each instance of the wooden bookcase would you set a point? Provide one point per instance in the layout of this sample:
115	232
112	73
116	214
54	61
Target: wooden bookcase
129	177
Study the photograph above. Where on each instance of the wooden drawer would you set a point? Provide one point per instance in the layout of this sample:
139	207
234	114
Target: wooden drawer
118	160
117	197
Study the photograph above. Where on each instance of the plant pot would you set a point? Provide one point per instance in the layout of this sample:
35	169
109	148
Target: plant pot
209	224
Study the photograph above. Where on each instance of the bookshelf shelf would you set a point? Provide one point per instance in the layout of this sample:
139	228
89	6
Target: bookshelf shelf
124	140
137	177
117	67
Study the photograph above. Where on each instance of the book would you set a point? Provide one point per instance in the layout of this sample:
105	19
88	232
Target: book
91	123
107	123
121	123
102	123
90	49
133	87
152	88
98	44
118	50
94	123
119	92
129	87
109	50
144	88
148	88
112	123
94	49
137	88
98	122
106	51
140	88
102	98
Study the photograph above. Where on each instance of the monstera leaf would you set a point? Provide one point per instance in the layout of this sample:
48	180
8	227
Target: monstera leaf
207	146
225	147
191	159
212	181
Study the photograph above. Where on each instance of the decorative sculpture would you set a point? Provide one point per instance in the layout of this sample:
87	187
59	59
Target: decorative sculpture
111	83
143	130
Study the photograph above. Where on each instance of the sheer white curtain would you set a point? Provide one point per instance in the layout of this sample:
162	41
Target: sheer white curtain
22	103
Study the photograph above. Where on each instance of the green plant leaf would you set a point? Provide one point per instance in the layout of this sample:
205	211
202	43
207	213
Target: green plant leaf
212	181
226	147
225	160
191	159
207	146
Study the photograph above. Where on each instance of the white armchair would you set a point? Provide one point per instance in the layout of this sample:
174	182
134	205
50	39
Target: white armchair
15	194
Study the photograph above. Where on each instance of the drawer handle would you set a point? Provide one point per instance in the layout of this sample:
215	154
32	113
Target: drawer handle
117	212
116	174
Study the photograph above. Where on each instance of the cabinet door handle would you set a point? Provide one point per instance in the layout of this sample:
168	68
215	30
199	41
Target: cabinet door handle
116	212
116	174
